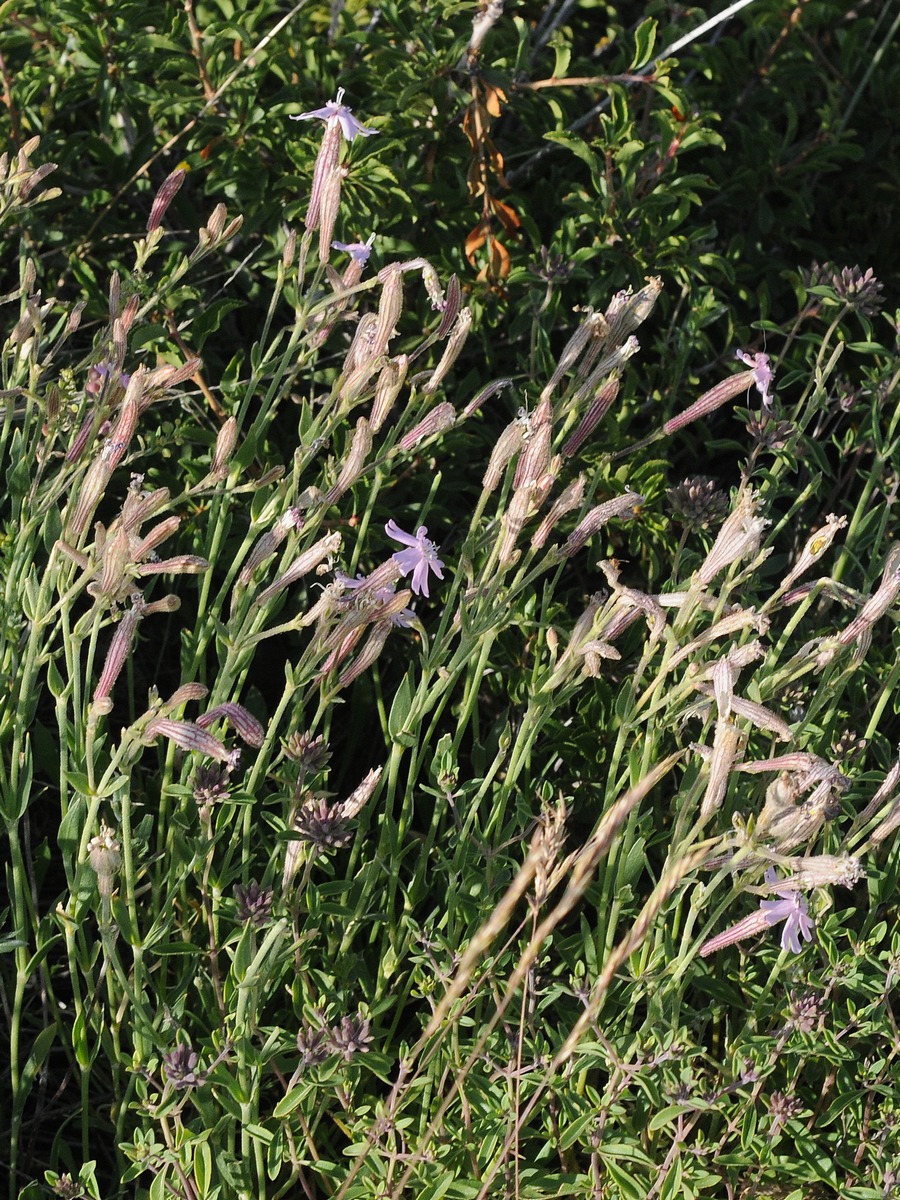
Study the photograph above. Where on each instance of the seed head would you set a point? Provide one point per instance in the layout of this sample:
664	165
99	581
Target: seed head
697	502
310	753
312	1046
254	904
180	1068
350	1038
857	288
322	825
805	1012
68	1188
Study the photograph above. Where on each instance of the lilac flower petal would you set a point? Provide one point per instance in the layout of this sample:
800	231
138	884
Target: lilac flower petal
420	578
407	560
776	910
350	127
323	113
393	530
347	583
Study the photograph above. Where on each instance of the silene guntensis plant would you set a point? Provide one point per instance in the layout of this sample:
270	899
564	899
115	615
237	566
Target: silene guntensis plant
412	784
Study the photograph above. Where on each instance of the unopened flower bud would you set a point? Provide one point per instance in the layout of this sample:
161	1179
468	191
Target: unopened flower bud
101	469
738	538
762	718
290	250
632	311
226	441
371	650
389	308
726	744
387	388
353	463
520	509
184	694
597	410
571	497
164	197
451	306
215	225
625	505
878	604
302	565
485	394
182	564
508	445
331	203
157	535
438	421
451	351
360	352
119	649
711	400
104	855
114	561
75	317
187	736
885	792
115	293
243	722
535	457
612	361
591	330
360	796
169	376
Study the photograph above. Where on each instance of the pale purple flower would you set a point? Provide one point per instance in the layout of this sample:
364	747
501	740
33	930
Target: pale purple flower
420	557
102	371
358	251
334	110
791	909
763	375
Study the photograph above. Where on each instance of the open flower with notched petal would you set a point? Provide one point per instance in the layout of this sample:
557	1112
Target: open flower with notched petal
420	557
763	375
358	251
791	909
337	112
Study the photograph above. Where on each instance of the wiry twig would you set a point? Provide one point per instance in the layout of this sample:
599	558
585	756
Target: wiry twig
648	71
